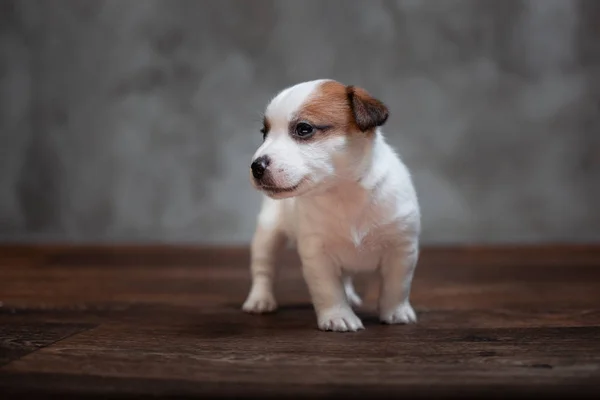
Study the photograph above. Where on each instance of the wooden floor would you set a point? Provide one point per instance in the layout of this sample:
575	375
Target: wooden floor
135	321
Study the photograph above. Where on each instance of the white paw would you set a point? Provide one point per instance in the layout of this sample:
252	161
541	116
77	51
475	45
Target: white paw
340	320
403	314
260	303
354	299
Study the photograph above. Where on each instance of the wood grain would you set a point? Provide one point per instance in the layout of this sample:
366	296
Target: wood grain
18	339
135	321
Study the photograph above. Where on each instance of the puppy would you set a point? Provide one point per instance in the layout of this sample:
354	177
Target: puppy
334	187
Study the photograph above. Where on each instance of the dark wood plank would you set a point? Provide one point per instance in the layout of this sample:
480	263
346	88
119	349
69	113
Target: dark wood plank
237	351
65	386
278	357
126	254
441	281
18	339
167	322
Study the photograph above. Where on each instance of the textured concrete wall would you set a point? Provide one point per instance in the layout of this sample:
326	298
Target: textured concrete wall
136	119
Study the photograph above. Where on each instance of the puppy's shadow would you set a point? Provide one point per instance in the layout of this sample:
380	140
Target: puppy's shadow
365	315
281	308
296	307
368	318
305	311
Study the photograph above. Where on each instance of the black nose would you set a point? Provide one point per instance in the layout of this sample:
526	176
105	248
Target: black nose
259	166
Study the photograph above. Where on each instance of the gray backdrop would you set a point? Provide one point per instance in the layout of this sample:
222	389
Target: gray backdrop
135	120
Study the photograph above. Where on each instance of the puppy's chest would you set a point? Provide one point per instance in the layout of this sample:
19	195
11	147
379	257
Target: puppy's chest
357	233
356	245
355	237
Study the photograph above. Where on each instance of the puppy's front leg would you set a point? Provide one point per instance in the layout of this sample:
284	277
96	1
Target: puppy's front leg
265	245
397	269
326	288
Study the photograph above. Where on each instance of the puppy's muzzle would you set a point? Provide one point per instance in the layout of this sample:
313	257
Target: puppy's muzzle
259	167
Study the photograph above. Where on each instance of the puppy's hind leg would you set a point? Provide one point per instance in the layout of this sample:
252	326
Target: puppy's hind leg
353	297
397	272
266	243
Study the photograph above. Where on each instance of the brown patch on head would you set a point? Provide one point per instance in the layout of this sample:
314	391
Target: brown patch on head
328	107
338	109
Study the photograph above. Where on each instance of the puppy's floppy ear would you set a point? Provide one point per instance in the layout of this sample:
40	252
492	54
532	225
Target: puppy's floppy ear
368	112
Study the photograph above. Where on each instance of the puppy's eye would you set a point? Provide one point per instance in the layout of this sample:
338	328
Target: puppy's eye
304	130
264	131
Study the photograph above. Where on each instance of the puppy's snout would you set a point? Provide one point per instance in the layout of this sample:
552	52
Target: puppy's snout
259	166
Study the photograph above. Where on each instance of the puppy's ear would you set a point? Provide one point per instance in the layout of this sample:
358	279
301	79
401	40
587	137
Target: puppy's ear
368	112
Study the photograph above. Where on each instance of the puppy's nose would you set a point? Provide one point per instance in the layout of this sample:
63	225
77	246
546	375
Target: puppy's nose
259	166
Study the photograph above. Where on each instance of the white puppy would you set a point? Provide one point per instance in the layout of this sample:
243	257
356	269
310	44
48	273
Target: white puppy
336	188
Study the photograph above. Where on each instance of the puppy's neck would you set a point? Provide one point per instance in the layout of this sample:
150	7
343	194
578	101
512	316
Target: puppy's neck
371	166
361	174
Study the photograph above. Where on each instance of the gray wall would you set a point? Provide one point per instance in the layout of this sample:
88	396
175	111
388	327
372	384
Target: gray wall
135	119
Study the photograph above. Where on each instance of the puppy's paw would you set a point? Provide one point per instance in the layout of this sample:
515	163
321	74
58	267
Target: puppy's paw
340	320
354	299
403	314
260	303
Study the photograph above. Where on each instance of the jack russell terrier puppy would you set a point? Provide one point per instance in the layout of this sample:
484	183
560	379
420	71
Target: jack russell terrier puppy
334	187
